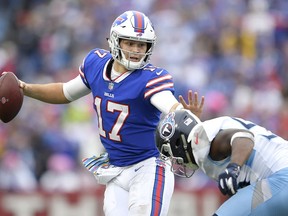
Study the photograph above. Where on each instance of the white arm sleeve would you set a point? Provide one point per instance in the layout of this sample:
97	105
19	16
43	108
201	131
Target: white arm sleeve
163	101
75	89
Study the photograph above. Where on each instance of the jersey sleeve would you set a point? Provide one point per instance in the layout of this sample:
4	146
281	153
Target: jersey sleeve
213	126
82	70
160	80
94	58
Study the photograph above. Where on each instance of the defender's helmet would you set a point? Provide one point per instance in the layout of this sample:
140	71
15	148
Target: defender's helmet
132	25
171	139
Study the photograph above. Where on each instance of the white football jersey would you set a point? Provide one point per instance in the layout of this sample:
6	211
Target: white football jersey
269	154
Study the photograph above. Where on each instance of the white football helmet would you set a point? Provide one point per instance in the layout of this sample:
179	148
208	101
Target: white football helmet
136	26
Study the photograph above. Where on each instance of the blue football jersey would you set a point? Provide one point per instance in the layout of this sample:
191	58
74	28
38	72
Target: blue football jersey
126	118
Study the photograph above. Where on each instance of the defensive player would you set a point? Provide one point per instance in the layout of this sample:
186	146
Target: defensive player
249	162
129	95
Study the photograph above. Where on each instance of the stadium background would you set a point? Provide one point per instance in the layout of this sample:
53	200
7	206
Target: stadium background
234	52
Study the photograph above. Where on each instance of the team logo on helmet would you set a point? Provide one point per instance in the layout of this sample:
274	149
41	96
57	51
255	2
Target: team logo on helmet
167	127
119	20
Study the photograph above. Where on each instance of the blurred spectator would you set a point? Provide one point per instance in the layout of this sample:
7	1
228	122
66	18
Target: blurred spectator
61	175
15	175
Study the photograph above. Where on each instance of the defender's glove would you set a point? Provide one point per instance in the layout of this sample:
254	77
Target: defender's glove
228	179
93	163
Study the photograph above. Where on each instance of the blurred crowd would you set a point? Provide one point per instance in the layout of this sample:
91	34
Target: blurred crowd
234	52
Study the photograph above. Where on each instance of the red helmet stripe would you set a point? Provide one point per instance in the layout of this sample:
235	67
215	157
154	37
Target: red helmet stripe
139	22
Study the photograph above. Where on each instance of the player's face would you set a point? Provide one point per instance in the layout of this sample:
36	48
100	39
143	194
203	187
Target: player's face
133	50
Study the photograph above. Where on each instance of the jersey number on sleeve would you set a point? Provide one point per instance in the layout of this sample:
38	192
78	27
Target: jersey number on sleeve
100	54
123	111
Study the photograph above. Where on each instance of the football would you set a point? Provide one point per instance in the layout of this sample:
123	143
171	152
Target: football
11	97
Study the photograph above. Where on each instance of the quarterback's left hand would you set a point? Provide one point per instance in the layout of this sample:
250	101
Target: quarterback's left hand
193	105
228	179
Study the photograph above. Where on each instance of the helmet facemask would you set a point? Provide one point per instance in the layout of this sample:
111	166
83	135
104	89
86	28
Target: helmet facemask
180	166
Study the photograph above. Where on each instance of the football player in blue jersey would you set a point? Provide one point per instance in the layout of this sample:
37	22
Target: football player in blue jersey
249	162
129	94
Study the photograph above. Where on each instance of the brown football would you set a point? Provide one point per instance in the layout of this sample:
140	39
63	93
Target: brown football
11	97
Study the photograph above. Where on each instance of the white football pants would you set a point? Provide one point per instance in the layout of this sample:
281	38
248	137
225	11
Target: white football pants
143	189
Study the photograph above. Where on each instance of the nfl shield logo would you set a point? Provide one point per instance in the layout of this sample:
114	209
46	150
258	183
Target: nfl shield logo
110	86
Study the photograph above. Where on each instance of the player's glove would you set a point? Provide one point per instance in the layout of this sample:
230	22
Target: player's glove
228	179
93	163
101	168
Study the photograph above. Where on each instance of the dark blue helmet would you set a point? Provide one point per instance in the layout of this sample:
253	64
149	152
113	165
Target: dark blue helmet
171	140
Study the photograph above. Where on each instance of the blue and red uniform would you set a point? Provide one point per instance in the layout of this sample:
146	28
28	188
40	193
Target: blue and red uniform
127	119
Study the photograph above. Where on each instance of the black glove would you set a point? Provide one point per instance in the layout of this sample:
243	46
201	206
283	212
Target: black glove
228	179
